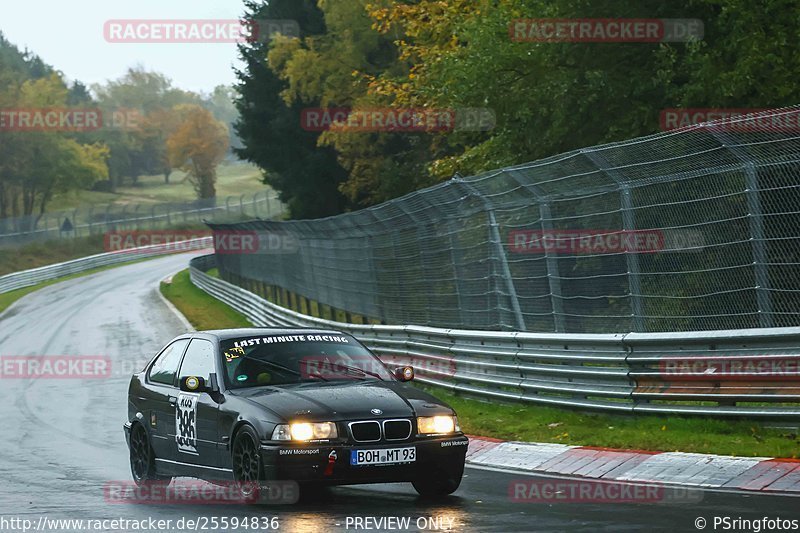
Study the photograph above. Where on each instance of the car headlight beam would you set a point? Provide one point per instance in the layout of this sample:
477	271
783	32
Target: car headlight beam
305	431
437	425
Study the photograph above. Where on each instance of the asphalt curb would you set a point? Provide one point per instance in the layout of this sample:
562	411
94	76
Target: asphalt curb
754	474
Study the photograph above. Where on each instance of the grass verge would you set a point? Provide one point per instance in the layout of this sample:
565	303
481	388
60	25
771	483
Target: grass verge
533	423
200	309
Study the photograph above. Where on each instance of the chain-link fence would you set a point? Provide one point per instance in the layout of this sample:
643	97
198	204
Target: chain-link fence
93	220
696	229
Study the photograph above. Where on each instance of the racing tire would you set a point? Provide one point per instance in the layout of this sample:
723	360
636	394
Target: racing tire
248	470
143	460
438	483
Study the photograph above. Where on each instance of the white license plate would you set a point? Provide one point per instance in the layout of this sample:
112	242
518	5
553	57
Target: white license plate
384	456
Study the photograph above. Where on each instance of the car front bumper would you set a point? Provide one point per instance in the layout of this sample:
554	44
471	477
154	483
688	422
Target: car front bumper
329	463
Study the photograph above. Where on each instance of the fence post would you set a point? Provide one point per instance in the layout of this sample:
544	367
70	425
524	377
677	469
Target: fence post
497	246
628	224
755	220
551	263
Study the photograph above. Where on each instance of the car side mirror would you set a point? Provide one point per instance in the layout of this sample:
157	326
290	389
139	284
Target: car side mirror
198	384
194	384
404	373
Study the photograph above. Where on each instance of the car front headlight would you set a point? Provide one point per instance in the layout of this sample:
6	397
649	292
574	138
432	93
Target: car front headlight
304	431
433	425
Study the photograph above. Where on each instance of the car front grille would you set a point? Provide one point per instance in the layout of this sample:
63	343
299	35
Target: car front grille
368	431
396	429
374	431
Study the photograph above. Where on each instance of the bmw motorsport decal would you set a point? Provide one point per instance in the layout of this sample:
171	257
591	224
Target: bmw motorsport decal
186	423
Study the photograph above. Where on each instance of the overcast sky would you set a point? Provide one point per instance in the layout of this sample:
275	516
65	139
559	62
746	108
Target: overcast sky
69	36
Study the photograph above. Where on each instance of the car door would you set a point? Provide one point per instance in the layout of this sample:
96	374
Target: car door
159	408
195	428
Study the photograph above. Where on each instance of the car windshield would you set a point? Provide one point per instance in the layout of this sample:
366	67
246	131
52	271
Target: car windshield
297	358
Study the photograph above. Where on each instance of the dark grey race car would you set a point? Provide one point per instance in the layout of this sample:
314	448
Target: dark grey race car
313	406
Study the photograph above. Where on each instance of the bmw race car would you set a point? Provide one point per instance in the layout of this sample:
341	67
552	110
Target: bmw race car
263	404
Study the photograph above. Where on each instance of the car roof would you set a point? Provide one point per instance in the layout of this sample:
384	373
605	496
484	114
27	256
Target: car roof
224	334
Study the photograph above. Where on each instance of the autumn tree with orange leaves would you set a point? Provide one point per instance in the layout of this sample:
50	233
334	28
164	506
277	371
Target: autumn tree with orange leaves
197	146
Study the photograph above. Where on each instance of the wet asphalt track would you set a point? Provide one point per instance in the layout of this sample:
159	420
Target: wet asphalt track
61	441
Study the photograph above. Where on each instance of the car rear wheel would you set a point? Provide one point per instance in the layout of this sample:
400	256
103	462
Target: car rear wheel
438	482
248	472
142	458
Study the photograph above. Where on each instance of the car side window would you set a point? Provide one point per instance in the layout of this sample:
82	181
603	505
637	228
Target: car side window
166	366
199	360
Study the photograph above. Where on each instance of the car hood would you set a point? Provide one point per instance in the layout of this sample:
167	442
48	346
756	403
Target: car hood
337	401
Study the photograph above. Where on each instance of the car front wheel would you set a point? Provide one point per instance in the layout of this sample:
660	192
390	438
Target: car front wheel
248	471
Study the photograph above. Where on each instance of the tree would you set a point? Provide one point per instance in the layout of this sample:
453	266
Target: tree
221	103
140	149
305	175
197	146
38	164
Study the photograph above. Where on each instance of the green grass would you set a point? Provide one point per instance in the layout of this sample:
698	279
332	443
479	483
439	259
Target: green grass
202	311
533	423
232	180
8	298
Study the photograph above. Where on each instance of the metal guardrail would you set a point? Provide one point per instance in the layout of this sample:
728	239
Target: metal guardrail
27	278
712	373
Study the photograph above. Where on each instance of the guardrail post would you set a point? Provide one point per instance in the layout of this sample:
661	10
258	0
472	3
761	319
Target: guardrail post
755	219
628	224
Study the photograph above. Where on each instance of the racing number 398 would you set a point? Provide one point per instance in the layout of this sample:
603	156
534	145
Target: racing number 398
186	423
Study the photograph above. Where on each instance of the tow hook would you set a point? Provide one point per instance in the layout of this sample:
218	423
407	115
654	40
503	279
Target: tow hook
331	461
